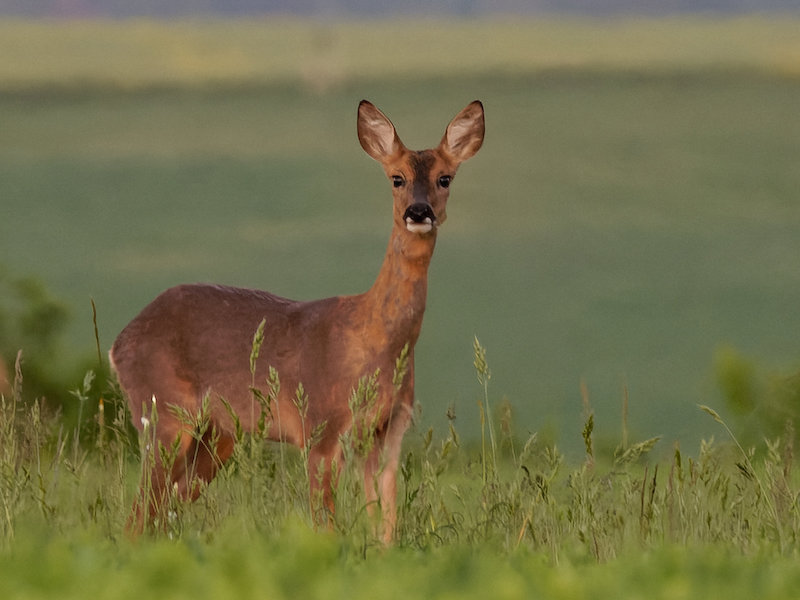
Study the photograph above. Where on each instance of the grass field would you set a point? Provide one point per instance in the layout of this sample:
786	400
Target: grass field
618	226
634	210
511	520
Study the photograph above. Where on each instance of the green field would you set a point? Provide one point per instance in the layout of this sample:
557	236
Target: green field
632	216
626	217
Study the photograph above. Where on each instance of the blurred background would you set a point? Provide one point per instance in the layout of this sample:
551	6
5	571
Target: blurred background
628	235
170	8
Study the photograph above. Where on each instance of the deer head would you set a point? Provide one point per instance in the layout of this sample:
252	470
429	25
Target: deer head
420	179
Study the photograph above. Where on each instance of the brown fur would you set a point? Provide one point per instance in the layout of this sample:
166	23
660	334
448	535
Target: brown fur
195	340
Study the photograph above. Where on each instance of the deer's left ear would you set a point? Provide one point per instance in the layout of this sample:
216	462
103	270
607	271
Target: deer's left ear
464	135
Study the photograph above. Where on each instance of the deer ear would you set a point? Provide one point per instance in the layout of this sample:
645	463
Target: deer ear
464	135
376	133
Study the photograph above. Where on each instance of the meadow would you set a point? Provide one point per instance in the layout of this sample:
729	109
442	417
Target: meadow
510	518
631	219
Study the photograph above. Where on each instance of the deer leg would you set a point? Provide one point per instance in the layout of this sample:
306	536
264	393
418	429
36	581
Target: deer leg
158	471
324	465
380	472
149	500
196	461
200	458
178	467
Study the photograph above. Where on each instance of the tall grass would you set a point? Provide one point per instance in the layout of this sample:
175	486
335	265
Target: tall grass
509	517
506	494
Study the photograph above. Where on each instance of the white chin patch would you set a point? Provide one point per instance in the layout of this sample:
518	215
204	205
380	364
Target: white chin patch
415	227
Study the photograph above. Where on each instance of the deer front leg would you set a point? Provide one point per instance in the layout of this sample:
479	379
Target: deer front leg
380	473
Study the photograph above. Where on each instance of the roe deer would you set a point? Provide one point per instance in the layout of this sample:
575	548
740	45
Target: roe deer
193	344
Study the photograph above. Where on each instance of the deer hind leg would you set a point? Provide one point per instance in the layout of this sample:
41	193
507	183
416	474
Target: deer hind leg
156	478
178	459
180	469
380	472
324	466
201	454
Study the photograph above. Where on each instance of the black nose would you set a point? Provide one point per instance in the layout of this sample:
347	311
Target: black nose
420	212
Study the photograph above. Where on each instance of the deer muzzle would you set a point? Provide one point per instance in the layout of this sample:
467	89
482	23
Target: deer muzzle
419	217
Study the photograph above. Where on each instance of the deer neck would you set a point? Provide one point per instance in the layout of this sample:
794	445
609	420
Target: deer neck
396	301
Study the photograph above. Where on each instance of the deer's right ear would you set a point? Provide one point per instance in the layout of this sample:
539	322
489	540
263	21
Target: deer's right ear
376	133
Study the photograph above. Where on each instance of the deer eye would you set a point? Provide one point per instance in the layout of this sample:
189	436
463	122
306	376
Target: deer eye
444	181
397	181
